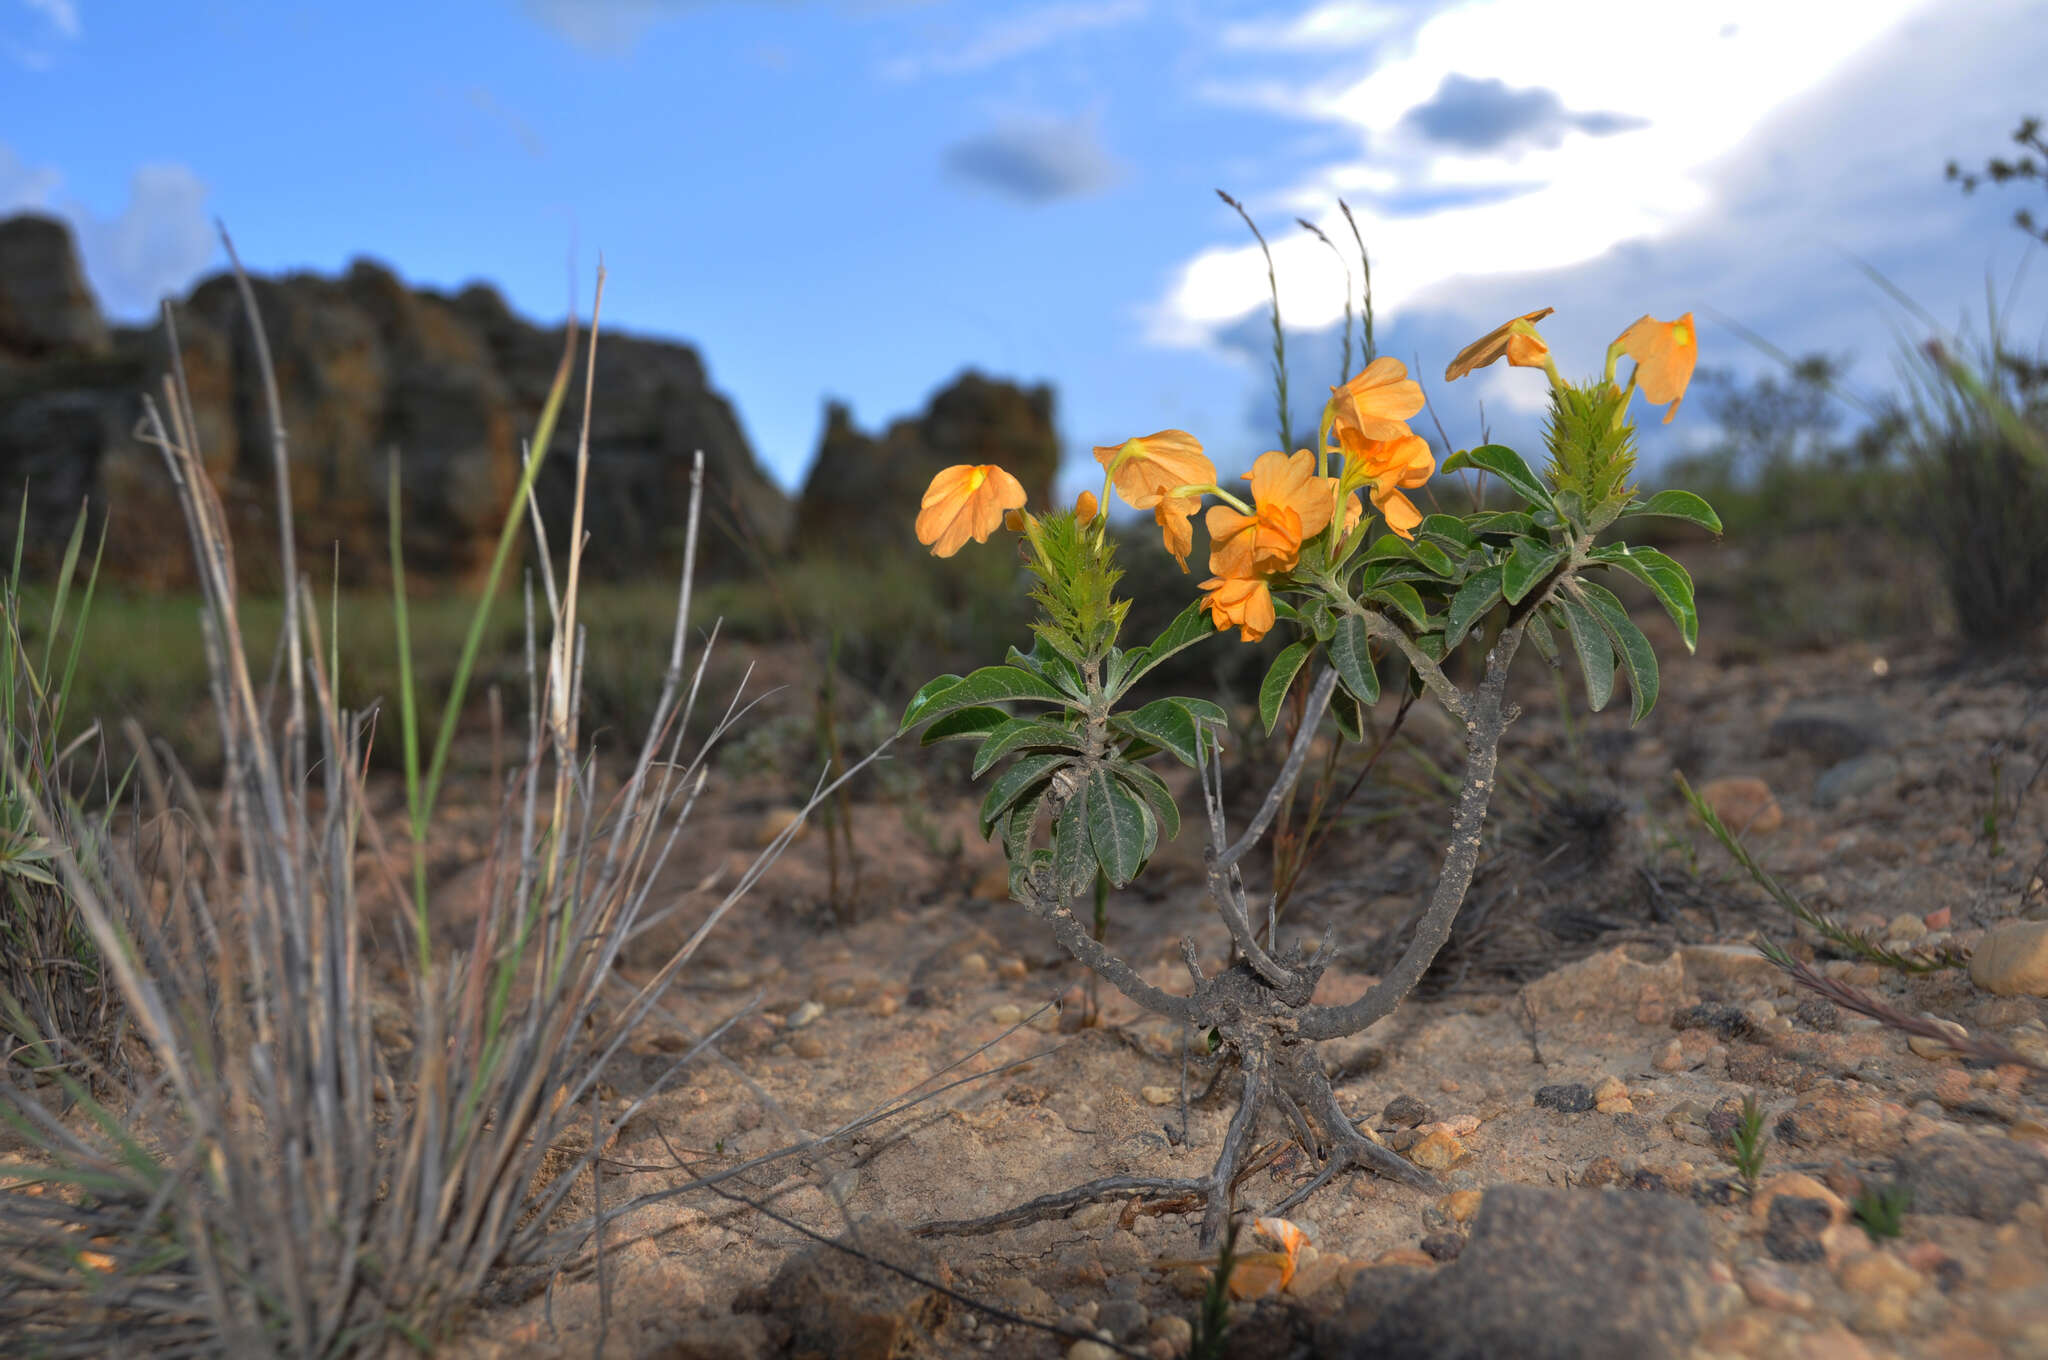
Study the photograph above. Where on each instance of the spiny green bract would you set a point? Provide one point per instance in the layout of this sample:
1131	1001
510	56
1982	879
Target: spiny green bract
1592	448
1076	576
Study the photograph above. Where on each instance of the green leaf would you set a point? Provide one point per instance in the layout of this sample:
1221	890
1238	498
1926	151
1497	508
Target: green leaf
1015	782
1448	527
1637	656
1351	654
1528	564
1116	825
1188	628
1402	597
1157	796
1393	547
1017	733
1677	505
1350	715
1167	725
1273	688
930	690
1667	580
1481	592
1503	523
1018	823
1073	849
978	721
1538	632
1203	711
1504	463
1596	653
990	684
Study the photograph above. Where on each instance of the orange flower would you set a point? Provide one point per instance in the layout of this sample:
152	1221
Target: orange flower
1387	465
1665	352
1522	351
1290	504
1241	601
1146	469
1085	507
966	501
1378	400
1173	515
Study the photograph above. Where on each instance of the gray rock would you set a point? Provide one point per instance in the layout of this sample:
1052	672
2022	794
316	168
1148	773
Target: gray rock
1985	1178
1553	1275
1122	1318
1853	778
46	307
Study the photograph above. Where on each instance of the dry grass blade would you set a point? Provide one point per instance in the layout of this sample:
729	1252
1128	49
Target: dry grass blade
281	1180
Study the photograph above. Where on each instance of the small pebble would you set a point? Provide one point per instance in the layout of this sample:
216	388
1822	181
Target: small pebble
1013	969
1406	1112
1173	1329
1670	1058
1008	1013
1610	1088
1935	1049
1440	1151
1090	1350
1566	1098
974	965
1904	928
1159	1095
805	1014
808	1046
885	1005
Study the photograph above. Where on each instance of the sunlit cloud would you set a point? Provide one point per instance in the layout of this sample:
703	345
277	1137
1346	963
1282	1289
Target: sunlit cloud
1556	200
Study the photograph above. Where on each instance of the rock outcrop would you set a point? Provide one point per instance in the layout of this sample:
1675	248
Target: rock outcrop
452	384
365	367
857	477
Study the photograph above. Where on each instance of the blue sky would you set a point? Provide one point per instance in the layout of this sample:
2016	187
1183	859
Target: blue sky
856	199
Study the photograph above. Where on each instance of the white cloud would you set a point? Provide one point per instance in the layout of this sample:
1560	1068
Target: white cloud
1338	24
61	15
1014	37
1701	82
157	244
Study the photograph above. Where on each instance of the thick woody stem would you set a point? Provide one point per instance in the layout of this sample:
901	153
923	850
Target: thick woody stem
1433	678
1486	719
1078	941
1236	1143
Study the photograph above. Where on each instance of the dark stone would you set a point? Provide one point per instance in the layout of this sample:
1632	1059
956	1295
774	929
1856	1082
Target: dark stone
1819	1014
1793	1229
1550	1274
1651	1182
1405	1112
1984	1178
1566	1098
1828	737
1444	1246
1726	1023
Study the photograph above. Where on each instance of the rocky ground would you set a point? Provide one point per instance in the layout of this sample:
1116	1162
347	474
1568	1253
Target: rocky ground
1573	1070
